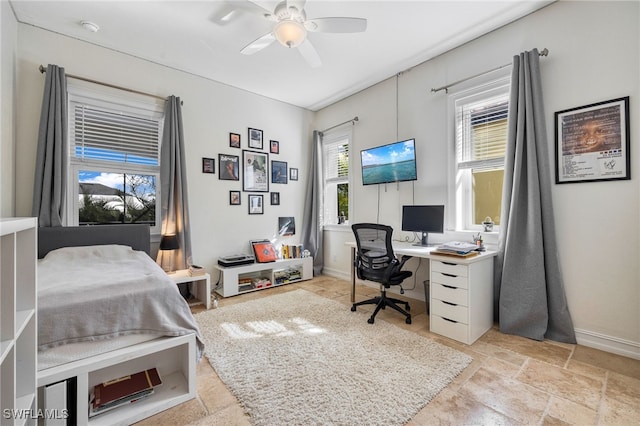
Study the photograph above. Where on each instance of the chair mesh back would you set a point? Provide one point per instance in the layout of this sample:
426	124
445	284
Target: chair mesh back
375	252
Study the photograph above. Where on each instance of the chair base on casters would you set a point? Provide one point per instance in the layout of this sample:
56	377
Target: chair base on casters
382	302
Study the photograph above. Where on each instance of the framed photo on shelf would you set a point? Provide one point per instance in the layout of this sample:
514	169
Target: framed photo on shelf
229	167
234	140
275	198
256	205
255	176
234	198
592	142
293	174
274	147
208	165
255	138
278	172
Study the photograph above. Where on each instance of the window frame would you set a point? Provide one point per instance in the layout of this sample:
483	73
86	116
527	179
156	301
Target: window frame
112	100
330	138
460	193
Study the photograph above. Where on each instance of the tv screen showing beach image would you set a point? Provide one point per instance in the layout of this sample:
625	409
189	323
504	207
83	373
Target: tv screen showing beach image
395	162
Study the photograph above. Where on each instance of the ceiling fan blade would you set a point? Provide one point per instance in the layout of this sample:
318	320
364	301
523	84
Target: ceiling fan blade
309	54
258	44
336	25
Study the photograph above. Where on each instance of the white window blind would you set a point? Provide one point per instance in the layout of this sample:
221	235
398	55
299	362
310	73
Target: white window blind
101	134
481	132
336	161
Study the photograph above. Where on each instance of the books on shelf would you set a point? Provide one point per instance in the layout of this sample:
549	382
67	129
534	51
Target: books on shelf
457	248
123	390
291	251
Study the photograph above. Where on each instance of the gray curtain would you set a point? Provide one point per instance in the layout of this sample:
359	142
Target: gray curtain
311	229
173	177
51	165
529	286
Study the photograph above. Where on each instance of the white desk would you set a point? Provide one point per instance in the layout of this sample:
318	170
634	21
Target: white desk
460	290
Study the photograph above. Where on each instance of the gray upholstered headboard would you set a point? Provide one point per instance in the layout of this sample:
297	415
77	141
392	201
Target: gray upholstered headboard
134	235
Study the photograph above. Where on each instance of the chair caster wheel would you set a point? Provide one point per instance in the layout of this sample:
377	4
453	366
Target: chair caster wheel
370	320
408	320
353	309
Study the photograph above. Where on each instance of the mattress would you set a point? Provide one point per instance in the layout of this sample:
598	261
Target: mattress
98	293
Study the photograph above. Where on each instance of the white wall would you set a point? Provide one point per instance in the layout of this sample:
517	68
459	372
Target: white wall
594	56
8	49
211	110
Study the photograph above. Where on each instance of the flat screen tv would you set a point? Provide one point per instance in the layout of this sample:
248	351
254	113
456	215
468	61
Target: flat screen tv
423	219
394	162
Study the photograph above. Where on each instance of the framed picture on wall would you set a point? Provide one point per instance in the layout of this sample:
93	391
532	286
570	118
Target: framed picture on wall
208	165
234	140
275	198
278	172
293	174
255	176
592	142
256	205
234	198
274	147
255	138
229	167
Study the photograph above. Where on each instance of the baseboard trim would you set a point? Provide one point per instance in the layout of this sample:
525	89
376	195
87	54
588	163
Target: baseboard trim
336	273
610	344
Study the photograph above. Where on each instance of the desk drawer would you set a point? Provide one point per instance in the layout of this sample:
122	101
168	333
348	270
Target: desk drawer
449	279
457	313
454	330
457	296
450	268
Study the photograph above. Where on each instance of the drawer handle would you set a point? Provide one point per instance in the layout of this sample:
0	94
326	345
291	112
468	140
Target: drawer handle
449	303
450	264
449	286
449	275
447	319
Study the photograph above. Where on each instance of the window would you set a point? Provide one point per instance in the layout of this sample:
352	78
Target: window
335	150
480	141
114	159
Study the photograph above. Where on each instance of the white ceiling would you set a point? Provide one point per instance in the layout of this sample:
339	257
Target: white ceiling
186	35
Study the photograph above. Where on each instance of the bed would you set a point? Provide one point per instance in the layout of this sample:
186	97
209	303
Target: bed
105	310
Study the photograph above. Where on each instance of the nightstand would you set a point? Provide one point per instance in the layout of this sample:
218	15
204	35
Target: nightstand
202	285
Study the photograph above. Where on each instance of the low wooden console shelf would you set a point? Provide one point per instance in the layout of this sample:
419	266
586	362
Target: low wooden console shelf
258	276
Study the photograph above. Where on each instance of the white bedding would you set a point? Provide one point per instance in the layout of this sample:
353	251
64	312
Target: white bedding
100	292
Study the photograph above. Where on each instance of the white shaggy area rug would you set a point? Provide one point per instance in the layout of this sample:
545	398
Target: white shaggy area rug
300	359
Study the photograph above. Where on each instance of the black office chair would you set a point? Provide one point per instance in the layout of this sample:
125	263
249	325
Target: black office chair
375	261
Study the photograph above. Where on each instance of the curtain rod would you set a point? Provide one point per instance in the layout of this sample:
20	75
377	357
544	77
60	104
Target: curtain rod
113	86
352	121
543	52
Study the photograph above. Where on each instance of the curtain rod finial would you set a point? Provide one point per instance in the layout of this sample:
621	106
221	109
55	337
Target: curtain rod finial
42	69
544	52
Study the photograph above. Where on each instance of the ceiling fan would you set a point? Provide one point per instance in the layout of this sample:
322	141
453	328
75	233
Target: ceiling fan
291	27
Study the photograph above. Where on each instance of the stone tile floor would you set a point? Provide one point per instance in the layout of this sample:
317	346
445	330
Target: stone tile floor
511	381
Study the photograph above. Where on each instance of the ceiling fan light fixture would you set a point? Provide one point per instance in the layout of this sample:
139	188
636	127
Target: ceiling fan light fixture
290	33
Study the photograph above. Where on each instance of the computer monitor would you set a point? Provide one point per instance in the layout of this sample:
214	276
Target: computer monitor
423	219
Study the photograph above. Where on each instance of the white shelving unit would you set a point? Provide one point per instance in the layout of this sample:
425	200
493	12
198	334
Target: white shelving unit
202	285
18	335
280	272
174	357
